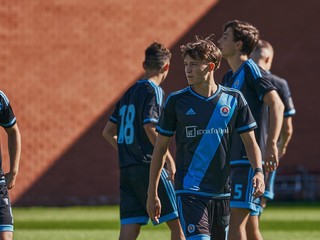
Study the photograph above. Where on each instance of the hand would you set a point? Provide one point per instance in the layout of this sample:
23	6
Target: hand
258	185
154	208
10	179
271	159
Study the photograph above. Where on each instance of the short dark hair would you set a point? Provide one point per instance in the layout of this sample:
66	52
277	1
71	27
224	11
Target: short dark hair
245	32
263	44
156	56
203	49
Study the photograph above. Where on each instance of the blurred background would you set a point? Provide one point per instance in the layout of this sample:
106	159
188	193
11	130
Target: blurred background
64	64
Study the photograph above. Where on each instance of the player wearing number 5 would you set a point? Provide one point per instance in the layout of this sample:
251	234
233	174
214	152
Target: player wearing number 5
131	130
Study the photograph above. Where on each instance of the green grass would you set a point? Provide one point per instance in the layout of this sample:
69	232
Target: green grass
279	221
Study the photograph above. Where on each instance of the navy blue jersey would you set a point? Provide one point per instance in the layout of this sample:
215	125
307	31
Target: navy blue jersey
7	117
140	105
284	93
203	129
253	82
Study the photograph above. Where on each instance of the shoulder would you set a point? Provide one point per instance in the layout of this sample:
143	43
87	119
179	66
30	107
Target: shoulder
3	98
179	93
231	91
276	80
253	69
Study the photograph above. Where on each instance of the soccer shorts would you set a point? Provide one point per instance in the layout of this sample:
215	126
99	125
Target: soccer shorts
6	219
204	218
242	189
134	181
269	180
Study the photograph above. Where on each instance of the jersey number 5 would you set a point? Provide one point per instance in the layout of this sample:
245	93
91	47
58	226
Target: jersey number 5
237	191
126	132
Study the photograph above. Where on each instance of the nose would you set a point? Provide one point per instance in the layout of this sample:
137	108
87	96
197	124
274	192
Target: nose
187	69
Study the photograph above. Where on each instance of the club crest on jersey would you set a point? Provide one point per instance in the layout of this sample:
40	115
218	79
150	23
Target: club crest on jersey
224	111
191	228
236	84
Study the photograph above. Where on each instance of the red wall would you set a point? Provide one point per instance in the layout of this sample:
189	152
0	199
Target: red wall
63	64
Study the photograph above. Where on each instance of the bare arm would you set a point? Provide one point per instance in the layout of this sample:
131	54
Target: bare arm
285	135
276	108
254	155
152	135
157	162
14	148
110	134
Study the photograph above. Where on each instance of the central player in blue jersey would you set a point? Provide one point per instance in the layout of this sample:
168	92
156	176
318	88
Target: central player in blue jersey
203	118
131	130
238	40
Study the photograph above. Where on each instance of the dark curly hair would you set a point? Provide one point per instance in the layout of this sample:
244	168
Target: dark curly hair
203	49
245	32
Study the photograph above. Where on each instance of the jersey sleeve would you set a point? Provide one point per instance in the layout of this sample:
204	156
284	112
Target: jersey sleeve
167	123
7	117
285	95
245	121
153	106
259	81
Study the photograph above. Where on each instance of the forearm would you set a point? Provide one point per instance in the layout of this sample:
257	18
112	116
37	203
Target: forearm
157	163
275	124
14	148
286	133
254	155
252	149
109	133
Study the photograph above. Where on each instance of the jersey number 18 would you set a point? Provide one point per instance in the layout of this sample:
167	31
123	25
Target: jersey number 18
126	132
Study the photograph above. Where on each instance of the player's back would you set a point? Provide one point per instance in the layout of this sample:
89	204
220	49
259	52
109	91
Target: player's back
284	93
140	105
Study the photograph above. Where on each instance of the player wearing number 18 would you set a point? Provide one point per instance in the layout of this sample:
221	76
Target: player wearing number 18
131	130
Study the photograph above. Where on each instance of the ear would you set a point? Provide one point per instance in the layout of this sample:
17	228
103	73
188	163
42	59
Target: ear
239	45
166	67
144	65
211	66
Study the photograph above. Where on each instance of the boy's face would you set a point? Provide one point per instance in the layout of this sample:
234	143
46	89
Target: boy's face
227	44
196	71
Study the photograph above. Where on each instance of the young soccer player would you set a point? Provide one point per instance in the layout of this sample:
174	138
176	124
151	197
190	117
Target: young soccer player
238	40
7	181
203	117
263	56
131	130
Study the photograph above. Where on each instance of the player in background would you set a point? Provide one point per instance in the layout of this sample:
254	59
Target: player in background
131	130
7	180
203	117
263	56
238	40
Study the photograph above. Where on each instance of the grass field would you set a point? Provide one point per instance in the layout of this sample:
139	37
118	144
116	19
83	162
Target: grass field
279	221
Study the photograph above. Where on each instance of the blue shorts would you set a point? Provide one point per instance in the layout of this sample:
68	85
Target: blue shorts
242	189
6	218
204	218
269	181
134	181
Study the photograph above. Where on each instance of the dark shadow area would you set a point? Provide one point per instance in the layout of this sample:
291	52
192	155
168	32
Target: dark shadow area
87	173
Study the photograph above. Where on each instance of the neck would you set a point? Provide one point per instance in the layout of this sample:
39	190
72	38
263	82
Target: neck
206	88
236	61
156	78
